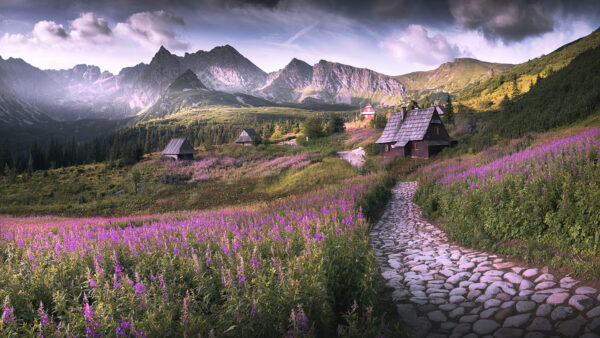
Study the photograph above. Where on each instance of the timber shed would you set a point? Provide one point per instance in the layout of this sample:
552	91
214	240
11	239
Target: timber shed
179	149
247	136
417	133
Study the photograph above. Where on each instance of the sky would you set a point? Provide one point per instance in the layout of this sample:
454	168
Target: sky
391	37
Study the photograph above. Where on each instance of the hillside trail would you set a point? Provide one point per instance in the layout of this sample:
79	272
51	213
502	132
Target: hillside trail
444	290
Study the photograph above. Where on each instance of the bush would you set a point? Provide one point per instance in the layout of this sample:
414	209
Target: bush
374	200
378	121
312	127
372	149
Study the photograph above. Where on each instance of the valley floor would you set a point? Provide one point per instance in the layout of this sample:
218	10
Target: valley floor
443	289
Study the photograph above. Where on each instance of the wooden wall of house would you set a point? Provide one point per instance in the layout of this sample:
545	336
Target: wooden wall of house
392	152
421	151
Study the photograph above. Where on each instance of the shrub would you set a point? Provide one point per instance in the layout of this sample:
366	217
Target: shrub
372	149
373	201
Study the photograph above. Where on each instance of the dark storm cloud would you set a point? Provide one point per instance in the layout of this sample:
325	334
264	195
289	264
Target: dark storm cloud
512	20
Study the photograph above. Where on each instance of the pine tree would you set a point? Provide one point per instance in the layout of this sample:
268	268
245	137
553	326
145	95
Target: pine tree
449	111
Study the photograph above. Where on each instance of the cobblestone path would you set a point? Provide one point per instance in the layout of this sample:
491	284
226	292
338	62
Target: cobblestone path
441	289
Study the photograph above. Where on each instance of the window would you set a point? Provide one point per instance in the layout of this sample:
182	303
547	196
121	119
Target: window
436	130
415	146
387	147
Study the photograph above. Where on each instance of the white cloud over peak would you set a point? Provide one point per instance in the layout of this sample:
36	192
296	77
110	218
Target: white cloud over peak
49	32
415	45
153	29
89	27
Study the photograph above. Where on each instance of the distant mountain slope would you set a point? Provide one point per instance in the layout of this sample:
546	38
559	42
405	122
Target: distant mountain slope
330	82
453	76
517	80
187	93
224	68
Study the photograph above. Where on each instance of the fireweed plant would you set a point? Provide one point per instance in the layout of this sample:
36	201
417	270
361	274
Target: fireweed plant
293	267
547	194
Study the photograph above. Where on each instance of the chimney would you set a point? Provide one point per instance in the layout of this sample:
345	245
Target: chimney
403	113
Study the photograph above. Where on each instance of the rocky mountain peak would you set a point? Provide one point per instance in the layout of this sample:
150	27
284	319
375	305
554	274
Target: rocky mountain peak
186	81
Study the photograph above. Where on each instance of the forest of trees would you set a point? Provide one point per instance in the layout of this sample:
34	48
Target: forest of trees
129	145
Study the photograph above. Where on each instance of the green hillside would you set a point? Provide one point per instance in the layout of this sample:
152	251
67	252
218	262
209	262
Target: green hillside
451	77
565	97
519	79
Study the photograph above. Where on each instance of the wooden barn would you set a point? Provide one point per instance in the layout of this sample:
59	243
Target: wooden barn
179	149
369	112
417	133
247	136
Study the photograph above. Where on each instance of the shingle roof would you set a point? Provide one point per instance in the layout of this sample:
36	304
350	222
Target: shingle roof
179	146
414	126
247	135
391	128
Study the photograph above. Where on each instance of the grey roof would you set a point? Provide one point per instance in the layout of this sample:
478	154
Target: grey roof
414	126
247	135
391	128
179	146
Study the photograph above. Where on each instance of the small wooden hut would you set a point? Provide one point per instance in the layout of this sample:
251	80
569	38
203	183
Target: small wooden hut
179	149
247	136
417	133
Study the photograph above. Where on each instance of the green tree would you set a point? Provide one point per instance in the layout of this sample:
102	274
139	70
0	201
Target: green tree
449	111
335	124
426	102
313	127
136	178
379	121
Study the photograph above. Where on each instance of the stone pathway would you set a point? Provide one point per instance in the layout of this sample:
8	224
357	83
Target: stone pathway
442	289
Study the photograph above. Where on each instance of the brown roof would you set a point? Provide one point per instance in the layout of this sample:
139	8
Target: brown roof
247	135
179	146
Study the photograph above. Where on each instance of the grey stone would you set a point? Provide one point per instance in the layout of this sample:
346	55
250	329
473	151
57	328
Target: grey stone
526	285
456	299
477	286
459	311
508	333
595	312
544	285
473	294
557	298
488	313
461	329
561	312
543	310
570	328
517	321
491	303
436	316
485	326
448	326
530	273
448	307
594	325
507	304
468	318
458	292
407	312
540	324
525	306
513	277
585	290
546	277
459	277
539	298
535	335
581	302
495	273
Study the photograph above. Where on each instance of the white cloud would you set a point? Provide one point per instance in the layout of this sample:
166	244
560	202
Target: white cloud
49	32
152	29
415	45
91	28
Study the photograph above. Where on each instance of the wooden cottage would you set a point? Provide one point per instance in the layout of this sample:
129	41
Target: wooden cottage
247	136
179	149
417	133
369	112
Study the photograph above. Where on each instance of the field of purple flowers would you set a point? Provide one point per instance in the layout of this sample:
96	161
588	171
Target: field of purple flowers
285	268
229	168
547	194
